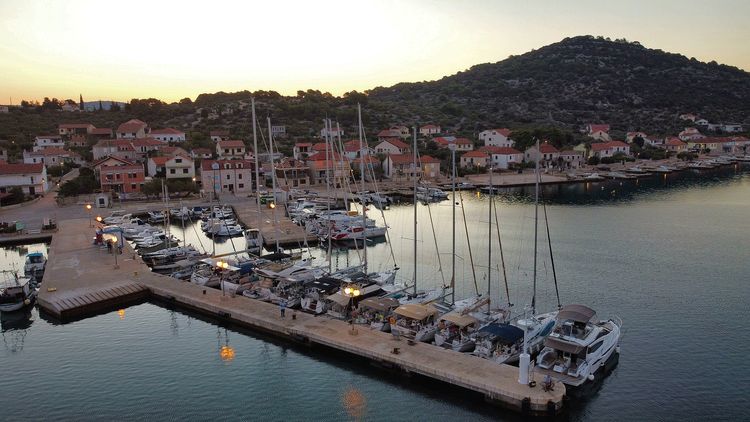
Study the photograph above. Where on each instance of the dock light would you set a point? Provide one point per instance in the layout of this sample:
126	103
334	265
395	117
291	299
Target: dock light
88	209
99	218
272	205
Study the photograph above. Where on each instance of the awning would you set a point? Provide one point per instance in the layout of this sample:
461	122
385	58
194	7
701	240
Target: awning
416	311
325	284
380	303
577	313
339	298
563	345
506	333
458	319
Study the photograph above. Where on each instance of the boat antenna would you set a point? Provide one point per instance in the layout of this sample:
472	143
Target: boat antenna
536	223
414	167
551	257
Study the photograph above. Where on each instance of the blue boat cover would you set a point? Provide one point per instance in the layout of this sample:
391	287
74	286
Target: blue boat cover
35	254
505	332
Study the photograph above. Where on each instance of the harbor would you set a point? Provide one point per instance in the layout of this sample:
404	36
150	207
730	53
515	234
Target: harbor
71	289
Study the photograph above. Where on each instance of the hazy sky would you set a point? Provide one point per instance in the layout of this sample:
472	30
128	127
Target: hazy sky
173	49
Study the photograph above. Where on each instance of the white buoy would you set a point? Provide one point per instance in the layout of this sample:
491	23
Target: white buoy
523	368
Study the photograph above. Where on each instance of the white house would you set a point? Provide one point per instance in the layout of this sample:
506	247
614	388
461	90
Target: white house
31	178
48	141
353	151
474	159
230	149
609	149
227	176
429	130
598	131
4	109
334	132
177	167
496	137
731	128
278	130
392	146
168	135
503	157
690	134
572	159
51	156
548	153
132	129
219	135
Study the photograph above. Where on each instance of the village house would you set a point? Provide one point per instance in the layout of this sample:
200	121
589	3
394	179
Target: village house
609	149
302	150
4	109
352	149
474	159
496	137
279	131
291	173
631	136
675	145
462	144
70	107
404	131
202	153
548	154
132	129
598	131
121	148
571	159
67	130
230	175
702	122
31	178
172	167
328	166
334	132
503	158
122	178
98	133
219	135
230	149
48	141
400	167
392	146
703	144
387	134
52	157
429	130
168	135
690	134
731	128
688	116
143	146
3	155
369	162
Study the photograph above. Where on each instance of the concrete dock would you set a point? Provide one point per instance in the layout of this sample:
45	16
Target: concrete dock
82	278
284	230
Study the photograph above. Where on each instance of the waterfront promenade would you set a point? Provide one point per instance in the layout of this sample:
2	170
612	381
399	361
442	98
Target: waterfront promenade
82	278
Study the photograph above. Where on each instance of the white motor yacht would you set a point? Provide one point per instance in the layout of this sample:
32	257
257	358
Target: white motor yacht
15	292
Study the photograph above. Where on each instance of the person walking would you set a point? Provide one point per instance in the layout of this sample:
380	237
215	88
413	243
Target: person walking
282	308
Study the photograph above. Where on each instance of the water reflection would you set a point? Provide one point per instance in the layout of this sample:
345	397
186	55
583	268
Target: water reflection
226	352
15	325
354	402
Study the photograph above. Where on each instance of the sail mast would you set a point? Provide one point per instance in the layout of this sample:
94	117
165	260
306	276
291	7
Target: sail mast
489	243
273	184
259	217
414	168
551	257
453	205
362	198
536	223
327	125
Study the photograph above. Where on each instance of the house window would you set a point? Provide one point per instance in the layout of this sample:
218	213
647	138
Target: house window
178	160
171	171
184	171
132	186
226	151
239	176
32	179
241	185
228	176
117	176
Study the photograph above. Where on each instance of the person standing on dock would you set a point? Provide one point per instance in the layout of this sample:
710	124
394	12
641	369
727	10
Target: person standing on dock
282	308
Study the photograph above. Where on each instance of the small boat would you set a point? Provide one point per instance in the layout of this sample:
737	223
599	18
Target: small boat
117	217
620	175
180	213
415	321
35	263
339	305
578	346
375	312
315	292
253	241
15	292
157	217
636	170
209	273
498	342
455	330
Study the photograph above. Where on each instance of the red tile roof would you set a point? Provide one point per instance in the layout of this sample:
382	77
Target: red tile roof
463	141
21	168
146	142
396	143
369	159
303	144
475	154
499	150
389	133
102	131
167	131
429	127
102	160
231	144
601	146
504	131
160	161
133	125
206	164
320	146
409	158
595	128
546	148
674	142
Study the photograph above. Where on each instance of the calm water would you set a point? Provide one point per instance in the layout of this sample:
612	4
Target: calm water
671	262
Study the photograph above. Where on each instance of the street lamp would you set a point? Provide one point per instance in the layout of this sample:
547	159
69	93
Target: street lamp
352	292
88	209
98	218
222	265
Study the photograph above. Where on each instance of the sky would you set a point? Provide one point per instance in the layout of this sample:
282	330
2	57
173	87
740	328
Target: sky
175	49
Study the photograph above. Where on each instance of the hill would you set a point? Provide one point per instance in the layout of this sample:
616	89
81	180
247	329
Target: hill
575	81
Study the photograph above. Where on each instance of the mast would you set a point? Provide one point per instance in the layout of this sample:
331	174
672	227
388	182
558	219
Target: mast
489	243
536	224
551	257
453	205
257	167
327	124
362	198
273	183
414	164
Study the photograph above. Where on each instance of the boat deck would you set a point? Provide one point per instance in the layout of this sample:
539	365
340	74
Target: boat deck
287	233
81	278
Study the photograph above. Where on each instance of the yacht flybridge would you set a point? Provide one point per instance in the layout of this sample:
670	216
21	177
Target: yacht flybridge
578	346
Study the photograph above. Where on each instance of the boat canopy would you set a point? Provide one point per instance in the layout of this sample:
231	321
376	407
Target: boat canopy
564	346
324	284
506	333
339	299
576	313
416	311
212	262
458	319
35	255
380	303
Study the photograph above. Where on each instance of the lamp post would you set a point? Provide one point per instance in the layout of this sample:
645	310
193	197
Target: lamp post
88	209
99	219
352	292
222	265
